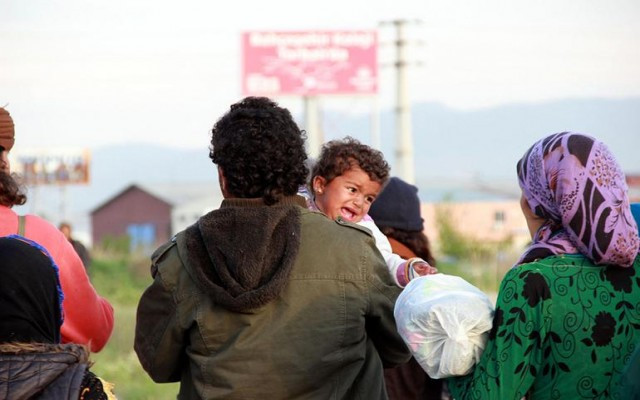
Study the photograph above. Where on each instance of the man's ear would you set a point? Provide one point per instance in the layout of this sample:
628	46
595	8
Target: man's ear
318	184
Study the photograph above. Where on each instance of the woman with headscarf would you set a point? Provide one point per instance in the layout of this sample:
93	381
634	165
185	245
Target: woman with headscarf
567	317
33	363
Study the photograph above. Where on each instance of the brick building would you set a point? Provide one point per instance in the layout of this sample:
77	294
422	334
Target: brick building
150	214
135	212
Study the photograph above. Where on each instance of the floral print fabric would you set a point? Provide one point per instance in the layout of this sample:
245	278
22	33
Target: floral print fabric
574	182
563	328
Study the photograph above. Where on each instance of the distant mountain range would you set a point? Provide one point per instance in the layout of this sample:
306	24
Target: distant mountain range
488	142
472	154
459	154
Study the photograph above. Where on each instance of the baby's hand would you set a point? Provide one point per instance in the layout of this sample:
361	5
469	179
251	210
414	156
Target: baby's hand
422	268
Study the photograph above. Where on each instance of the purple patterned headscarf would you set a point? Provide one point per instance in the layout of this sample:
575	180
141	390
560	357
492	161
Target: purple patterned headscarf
574	182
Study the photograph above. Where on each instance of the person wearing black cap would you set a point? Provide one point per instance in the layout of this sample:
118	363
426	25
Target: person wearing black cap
396	212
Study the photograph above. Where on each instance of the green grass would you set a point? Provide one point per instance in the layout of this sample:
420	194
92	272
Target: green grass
122	282
485	274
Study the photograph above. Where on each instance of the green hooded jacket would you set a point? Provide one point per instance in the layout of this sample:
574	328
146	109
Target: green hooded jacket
270	302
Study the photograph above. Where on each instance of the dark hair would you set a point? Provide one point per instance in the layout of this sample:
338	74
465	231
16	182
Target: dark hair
11	193
339	156
415	241
260	150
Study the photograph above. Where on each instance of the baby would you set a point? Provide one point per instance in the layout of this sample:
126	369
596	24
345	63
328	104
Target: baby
344	182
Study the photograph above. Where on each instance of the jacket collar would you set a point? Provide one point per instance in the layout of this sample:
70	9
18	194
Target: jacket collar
257	202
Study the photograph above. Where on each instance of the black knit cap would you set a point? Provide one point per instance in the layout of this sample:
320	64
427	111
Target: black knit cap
398	206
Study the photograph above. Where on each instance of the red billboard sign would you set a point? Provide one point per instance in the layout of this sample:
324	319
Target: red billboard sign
309	62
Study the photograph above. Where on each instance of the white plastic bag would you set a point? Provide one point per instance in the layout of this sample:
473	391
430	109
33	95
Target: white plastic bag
445	322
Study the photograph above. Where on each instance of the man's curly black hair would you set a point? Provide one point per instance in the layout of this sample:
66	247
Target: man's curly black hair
338	156
260	150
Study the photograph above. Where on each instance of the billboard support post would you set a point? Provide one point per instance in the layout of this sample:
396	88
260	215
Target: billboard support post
312	126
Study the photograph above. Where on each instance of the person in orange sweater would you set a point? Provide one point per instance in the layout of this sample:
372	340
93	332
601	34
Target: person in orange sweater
88	317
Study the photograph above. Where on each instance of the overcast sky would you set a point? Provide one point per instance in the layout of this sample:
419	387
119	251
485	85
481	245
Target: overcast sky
95	72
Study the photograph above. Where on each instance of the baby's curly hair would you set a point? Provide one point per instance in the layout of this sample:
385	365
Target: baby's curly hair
260	150
338	156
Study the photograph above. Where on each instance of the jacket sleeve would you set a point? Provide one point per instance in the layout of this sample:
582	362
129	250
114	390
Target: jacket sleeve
380	323
514	352
88	318
159	338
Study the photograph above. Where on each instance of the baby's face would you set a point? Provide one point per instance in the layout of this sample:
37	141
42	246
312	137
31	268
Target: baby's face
348	196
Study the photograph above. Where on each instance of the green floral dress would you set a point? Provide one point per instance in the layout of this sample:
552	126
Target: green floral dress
563	329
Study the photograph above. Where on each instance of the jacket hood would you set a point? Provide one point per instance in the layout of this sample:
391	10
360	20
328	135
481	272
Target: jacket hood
242	253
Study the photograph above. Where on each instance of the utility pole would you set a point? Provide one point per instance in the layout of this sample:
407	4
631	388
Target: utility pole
404	138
